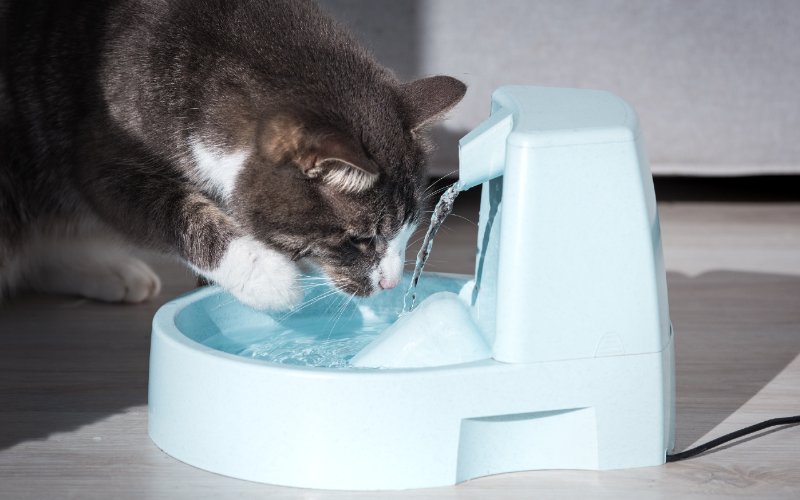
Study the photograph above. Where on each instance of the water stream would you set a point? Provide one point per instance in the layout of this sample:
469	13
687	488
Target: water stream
440	213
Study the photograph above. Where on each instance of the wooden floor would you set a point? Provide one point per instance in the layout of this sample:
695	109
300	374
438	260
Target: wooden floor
73	378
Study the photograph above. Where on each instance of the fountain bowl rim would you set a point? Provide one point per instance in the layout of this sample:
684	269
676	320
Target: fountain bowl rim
165	327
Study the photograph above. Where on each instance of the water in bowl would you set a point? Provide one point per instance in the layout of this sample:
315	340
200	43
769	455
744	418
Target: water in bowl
322	341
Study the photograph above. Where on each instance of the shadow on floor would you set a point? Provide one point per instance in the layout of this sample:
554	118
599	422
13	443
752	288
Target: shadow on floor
734	331
67	362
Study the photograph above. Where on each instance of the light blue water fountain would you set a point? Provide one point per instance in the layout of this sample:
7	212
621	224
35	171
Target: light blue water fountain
556	353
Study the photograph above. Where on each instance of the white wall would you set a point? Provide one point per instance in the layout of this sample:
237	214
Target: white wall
716	82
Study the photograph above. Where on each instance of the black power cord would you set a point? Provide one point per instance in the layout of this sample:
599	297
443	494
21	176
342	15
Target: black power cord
730	437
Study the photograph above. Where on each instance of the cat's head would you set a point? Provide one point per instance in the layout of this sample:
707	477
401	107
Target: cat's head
340	184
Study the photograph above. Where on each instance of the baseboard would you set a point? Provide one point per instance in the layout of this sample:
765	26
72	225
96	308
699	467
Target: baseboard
673	169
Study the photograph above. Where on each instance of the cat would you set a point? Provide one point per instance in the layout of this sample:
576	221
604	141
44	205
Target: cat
246	137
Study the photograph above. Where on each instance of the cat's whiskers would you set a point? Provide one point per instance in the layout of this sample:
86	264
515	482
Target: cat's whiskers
339	301
416	241
333	303
457	216
437	192
312	286
440	179
314	283
444	225
315	275
307	303
340	312
310	281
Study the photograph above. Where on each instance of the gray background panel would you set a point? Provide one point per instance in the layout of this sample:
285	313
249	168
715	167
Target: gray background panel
715	82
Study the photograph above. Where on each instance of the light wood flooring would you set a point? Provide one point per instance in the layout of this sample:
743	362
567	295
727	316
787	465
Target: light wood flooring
73	377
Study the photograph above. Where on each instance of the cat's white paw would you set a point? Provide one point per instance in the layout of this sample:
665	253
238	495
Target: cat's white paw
258	276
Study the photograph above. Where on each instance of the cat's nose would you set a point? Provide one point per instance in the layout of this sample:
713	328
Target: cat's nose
388	283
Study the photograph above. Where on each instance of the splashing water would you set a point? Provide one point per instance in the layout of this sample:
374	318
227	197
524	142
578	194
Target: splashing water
306	342
440	213
301	349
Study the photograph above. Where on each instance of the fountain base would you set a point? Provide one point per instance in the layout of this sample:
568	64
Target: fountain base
373	429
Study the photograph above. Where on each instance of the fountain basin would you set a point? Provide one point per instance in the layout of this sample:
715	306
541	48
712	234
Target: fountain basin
294	424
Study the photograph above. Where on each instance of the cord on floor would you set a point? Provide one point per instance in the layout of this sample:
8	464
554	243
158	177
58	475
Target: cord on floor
733	435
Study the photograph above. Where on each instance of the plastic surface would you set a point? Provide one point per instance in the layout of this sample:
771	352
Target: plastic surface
440	331
569	291
570	262
482	153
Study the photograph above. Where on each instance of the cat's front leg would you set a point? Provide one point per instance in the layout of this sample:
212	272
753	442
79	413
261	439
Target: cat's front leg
257	275
151	202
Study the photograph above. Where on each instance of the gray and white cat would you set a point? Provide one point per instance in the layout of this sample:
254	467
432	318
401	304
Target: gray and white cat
243	136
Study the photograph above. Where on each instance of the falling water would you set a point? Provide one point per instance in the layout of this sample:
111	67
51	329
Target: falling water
442	210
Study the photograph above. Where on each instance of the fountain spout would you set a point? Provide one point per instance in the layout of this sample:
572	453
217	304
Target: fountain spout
482	152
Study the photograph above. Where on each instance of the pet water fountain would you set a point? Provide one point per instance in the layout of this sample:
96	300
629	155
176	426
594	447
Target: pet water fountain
556	354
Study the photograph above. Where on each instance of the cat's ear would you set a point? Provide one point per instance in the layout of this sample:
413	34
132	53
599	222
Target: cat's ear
427	100
334	158
340	163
